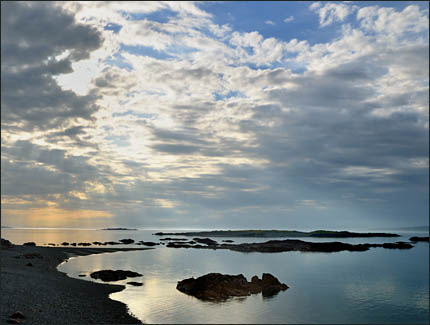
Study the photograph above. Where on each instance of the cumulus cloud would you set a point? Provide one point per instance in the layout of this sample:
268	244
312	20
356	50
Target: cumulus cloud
331	12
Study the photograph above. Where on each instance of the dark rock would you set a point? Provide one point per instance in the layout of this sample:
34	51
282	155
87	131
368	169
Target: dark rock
98	243
127	241
111	243
65	243
17	315
218	287
82	275
206	241
84	244
415	239
51	244
28	264
228	241
73	244
30	243
148	243
136	284
6	243
274	246
178	245
175	239
111	275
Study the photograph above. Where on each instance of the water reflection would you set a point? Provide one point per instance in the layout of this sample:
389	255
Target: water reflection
364	287
376	286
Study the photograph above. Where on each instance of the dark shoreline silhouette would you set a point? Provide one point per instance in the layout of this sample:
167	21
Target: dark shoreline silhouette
277	246
278	233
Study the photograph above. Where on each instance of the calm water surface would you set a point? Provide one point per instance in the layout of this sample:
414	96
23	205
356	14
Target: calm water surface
376	286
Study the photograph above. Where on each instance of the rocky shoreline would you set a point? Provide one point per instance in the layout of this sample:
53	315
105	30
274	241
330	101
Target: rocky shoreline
32	286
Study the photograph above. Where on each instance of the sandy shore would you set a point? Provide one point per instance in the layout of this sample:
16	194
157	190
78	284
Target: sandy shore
46	296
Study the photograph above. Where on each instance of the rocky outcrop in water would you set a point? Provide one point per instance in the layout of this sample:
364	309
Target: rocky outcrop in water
30	243
416	239
276	246
206	241
84	244
219	287
127	241
147	243
111	275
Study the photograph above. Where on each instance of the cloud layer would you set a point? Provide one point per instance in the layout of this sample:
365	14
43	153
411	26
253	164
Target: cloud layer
159	115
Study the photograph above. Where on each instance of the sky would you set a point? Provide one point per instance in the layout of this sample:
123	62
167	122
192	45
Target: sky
215	115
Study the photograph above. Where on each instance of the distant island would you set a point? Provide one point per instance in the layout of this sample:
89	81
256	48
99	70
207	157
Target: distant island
277	233
119	229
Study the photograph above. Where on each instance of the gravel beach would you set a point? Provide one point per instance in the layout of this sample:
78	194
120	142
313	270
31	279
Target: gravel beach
46	296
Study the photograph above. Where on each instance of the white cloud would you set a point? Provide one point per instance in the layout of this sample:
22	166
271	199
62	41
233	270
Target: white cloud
331	12
288	19
269	22
389	21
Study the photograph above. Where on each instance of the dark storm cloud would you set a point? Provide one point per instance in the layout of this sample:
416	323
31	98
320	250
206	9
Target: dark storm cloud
32	35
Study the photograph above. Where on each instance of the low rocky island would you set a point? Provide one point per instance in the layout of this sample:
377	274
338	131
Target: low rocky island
278	233
220	287
277	246
111	275
415	239
119	229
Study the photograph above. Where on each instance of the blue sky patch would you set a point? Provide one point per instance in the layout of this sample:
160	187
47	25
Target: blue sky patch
113	27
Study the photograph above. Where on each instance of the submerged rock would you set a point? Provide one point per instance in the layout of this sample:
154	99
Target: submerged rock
136	284
111	275
219	287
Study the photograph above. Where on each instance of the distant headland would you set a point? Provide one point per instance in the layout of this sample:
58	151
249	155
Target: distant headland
119	229
278	233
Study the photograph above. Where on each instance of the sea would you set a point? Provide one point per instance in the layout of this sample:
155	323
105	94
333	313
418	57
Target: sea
378	286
